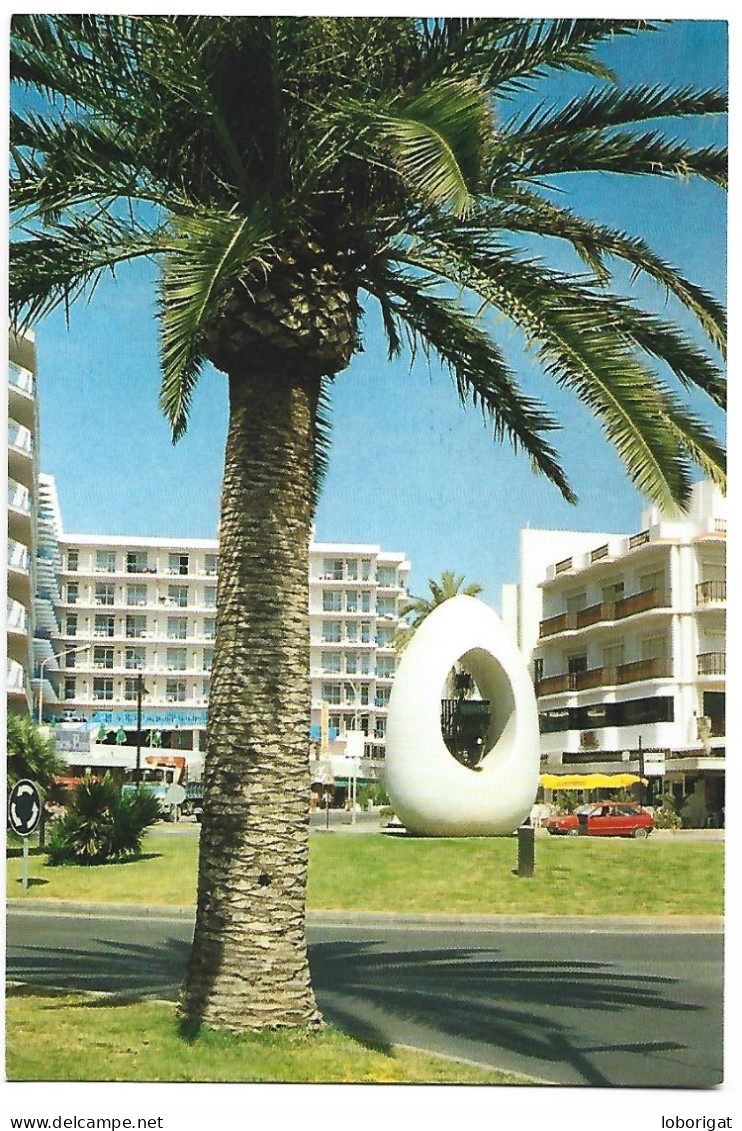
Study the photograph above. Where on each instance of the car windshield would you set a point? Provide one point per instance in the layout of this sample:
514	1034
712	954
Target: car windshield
585	808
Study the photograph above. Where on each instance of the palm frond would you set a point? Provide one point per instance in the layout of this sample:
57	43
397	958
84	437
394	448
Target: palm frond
443	326
206	255
526	211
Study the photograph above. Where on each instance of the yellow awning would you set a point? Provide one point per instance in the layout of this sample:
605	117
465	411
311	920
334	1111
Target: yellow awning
589	781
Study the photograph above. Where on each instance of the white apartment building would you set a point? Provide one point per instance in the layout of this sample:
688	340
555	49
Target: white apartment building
355	595
22	494
147	606
627	637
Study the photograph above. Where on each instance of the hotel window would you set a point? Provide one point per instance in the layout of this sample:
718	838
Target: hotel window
136	594
175	691
331	693
105	561
654	580
366	602
365	570
104	592
102	688
365	663
331	662
130	689
382	697
331	630
208	659
331	600
365	632
612	593
576	602
71	660
178	595
177	628
71	624
70	687
178	563
135	657
350	693
210	627
364	695
136	626
379	728
206	688
73	589
385	666
351	601
210	596
385	637
176	659
210	564
102	657
137	562
73	560
104	625
333	568
351	662
387	576
351	631
386	607
352	569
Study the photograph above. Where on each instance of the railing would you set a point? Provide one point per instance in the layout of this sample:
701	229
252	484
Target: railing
16	678
601	552
711	592
639	539
552	684
17	555
640	602
657	667
17	617
552	625
594	613
20	378
563	565
18	496
720	525
712	663
19	437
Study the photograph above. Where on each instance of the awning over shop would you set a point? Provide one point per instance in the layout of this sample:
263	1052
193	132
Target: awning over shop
589	781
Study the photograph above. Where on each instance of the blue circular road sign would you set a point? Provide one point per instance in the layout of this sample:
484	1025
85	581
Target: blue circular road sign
24	807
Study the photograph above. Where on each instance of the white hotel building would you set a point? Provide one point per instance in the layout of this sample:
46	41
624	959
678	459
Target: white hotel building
148	605
627	638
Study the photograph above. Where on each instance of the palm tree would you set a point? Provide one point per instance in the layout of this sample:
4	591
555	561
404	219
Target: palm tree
281	171
416	609
31	754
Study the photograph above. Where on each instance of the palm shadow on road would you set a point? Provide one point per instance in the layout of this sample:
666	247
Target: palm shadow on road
374	993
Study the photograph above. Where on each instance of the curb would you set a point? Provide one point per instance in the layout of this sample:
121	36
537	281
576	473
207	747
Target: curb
642	924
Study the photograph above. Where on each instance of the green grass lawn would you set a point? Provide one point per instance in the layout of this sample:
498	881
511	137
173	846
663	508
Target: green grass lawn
60	1036
574	876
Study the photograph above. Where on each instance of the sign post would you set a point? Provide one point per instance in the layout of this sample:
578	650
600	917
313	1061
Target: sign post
24	814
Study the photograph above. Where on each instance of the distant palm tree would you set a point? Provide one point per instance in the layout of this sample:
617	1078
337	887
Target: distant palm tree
282	171
31	754
416	609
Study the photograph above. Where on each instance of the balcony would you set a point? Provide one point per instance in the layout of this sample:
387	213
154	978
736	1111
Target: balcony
641	602
17	621
19	498
17	556
20	439
712	663
657	667
20	378
711	593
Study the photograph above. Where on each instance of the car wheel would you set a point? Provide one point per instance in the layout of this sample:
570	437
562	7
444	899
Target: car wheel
573	832
640	834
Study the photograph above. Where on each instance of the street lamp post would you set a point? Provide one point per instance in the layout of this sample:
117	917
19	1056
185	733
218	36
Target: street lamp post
140	692
48	660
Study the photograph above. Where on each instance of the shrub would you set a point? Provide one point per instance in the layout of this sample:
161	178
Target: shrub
101	824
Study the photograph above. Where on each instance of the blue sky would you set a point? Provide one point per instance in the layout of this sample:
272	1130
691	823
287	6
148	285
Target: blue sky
409	468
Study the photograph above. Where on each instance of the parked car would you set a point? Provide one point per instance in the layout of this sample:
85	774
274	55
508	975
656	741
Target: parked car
604	818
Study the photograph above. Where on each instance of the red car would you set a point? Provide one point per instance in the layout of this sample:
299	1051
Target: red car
604	818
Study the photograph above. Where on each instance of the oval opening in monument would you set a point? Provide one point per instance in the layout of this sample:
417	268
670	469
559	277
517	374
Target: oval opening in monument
476	706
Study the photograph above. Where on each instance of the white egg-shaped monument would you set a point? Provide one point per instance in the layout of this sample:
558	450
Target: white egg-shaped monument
431	792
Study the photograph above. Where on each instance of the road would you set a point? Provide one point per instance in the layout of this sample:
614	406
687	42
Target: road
573	1004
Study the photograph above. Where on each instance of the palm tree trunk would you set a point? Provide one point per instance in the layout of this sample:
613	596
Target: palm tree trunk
248	968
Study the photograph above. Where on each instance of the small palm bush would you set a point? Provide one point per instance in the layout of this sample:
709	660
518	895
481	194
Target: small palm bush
102	824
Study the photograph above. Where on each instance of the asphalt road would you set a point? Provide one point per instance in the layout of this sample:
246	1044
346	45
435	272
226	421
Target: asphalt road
580	1005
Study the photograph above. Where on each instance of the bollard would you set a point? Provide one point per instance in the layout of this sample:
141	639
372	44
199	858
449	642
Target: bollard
526	850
